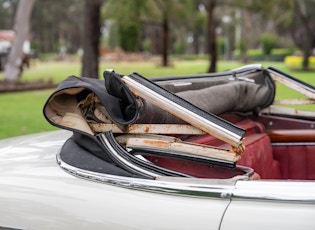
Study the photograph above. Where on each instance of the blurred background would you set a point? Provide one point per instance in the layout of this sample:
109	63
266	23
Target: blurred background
44	41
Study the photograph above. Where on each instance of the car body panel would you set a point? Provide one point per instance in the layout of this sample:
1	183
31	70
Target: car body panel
35	193
290	205
273	190
252	214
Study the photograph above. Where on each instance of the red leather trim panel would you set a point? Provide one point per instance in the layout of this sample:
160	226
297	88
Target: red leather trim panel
195	169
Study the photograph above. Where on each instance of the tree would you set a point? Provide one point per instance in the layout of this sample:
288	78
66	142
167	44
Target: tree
57	24
91	38
246	35
7	11
211	36
165	35
268	42
13	68
127	17
198	26
304	12
170	10
150	12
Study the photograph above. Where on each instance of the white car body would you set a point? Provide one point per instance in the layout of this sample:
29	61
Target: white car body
36	193
64	180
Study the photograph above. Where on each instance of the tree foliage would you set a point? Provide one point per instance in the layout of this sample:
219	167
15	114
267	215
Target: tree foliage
129	36
133	17
7	11
268	42
57	25
128	18
165	27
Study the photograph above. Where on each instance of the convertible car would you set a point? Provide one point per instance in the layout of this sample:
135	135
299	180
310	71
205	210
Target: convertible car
207	151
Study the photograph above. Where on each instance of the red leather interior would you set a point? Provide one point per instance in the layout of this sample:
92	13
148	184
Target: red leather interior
258	153
296	161
199	170
285	161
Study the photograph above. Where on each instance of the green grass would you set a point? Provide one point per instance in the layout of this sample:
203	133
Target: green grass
58	71
21	113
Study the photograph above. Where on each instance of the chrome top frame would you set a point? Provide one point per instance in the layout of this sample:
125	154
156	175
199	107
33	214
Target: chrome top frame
205	125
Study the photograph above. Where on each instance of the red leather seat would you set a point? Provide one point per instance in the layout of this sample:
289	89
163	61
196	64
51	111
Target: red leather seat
258	153
259	156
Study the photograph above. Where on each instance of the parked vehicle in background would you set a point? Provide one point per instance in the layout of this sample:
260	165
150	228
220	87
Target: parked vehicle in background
6	39
209	151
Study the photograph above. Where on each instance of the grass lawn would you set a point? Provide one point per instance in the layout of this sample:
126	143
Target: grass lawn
21	113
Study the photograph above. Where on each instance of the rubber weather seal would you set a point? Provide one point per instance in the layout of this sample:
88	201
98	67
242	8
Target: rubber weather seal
183	156
132	163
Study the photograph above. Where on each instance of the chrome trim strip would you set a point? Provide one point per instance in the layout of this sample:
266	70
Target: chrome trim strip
274	110
203	188
243	70
279	191
283	191
9	228
292	143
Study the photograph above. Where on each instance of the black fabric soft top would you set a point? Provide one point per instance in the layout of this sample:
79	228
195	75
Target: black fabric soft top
120	104
122	108
77	150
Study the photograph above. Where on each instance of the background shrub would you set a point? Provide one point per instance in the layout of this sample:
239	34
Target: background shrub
268	42
296	62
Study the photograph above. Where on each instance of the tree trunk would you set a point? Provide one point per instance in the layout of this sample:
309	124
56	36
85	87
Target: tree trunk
212	48
13	68
306	49
300	9
196	43
246	35
91	38
165	31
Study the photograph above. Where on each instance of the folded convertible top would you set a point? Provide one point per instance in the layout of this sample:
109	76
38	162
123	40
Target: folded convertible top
92	107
